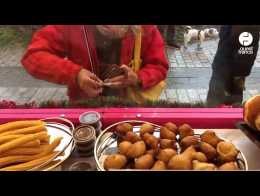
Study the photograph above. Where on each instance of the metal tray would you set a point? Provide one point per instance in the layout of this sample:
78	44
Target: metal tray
252	134
58	127
106	144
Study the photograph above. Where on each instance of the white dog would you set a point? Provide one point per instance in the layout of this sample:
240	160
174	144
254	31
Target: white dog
200	35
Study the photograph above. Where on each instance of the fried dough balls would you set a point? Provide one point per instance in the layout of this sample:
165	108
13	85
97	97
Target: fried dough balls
199	156
187	151
130	165
208	150
166	143
229	166
189	141
257	122
152	152
251	112
124	146
115	161
167	134
202	166
124	128
131	137
227	151
151	140
144	162
166	154
159	165
210	137
180	162
172	127
146	128
136	150
185	130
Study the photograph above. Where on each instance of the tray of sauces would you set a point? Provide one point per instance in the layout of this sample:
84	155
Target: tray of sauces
141	145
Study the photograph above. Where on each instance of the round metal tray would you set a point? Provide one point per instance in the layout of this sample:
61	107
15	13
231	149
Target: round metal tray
106	144
58	127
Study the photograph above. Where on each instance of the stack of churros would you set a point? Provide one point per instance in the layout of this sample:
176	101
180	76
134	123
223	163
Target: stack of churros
25	145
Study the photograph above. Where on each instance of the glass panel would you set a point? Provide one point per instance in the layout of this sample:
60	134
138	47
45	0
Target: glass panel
201	65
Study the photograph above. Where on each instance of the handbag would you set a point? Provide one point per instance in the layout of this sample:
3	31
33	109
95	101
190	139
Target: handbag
136	94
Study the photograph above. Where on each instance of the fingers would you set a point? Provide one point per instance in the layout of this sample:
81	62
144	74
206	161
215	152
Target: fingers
93	84
95	78
97	83
116	79
88	79
92	88
92	92
132	78
126	69
116	85
120	81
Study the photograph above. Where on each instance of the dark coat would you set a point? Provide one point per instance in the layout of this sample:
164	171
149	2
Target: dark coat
227	57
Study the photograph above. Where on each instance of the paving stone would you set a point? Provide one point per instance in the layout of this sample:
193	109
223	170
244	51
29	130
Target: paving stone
60	94
39	95
202	94
253	92
246	95
183	96
171	94
163	96
193	95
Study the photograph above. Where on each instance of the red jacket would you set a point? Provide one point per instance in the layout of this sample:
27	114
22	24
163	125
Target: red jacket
58	52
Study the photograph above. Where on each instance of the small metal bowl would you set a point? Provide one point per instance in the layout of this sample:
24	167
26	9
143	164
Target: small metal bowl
84	137
90	118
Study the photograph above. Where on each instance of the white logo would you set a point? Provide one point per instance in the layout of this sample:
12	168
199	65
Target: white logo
245	39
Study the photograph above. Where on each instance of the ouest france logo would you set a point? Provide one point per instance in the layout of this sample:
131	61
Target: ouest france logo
245	39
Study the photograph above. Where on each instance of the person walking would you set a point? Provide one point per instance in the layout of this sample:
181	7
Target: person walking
233	62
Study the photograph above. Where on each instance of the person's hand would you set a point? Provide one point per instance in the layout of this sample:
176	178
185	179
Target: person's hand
129	79
89	83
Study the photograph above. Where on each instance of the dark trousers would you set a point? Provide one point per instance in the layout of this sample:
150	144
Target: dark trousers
224	88
168	32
